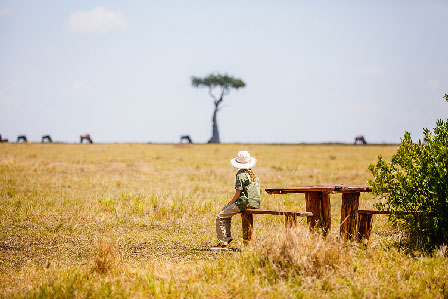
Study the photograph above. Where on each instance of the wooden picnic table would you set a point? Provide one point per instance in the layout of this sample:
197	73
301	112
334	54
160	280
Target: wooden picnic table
318	202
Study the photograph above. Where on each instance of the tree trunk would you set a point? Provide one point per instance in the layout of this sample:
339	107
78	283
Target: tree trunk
215	133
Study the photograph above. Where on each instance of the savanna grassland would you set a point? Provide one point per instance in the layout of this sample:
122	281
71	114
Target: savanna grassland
137	220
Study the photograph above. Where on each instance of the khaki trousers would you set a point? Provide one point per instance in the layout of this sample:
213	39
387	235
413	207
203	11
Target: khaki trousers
223	222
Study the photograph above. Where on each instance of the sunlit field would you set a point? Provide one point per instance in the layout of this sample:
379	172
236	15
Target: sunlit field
137	220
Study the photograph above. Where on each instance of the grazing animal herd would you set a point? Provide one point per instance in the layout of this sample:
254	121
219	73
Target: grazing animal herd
46	139
86	137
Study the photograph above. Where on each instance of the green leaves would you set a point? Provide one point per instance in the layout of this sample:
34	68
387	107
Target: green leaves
416	179
225	81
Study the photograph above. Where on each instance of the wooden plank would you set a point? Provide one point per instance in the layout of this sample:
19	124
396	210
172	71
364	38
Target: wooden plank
270	212
320	188
349	217
314	205
390	212
365	220
248	227
352	188
372	212
287	190
326	212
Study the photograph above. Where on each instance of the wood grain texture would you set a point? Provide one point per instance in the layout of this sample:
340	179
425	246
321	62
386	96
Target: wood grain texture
390	212
314	205
326	212
331	188
271	212
364	228
248	227
349	214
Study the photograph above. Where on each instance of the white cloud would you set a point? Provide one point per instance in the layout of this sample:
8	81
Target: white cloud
373	70
5	11
433	84
96	21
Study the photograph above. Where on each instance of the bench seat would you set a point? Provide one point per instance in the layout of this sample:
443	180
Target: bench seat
365	219
248	220
271	212
371	212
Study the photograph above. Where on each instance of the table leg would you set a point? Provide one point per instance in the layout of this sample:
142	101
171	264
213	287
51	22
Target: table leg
247	221
313	205
318	203
326	212
349	214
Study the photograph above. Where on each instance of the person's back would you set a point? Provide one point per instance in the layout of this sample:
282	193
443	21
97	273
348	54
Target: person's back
249	184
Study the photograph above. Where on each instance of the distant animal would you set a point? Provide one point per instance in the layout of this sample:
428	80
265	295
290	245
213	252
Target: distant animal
21	138
3	140
86	137
46	138
186	138
360	140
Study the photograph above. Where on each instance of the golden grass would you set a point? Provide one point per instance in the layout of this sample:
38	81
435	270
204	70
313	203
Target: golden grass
135	220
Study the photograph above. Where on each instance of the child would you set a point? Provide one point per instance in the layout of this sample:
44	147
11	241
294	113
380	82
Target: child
247	196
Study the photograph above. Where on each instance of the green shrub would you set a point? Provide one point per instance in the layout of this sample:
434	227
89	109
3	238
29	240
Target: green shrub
416	179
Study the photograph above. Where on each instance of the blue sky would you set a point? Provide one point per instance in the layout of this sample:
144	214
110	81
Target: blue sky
316	71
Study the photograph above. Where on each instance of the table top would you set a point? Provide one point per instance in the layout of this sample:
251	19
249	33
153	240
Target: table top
331	188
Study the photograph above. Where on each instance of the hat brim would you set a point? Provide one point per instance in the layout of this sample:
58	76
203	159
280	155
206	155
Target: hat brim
238	165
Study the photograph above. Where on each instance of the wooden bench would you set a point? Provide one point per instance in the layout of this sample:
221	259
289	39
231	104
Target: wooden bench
248	220
365	222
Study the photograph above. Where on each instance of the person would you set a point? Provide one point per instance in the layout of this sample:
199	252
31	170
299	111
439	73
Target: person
247	196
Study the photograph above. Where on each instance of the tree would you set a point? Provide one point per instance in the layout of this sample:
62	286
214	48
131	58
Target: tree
220	84
416	179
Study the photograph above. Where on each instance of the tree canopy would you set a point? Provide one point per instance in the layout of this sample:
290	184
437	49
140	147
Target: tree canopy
225	81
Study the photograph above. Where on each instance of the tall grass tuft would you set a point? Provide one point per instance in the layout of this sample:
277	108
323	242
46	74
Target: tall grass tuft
299	251
106	258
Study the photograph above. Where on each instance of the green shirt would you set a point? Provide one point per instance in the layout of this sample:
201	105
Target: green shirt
250	191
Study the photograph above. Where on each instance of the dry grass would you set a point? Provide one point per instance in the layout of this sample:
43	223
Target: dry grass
301	252
137	220
106	258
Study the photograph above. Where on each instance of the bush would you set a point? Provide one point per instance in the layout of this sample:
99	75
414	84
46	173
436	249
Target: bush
416	179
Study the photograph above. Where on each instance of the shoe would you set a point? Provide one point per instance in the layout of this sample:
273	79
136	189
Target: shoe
220	247
229	240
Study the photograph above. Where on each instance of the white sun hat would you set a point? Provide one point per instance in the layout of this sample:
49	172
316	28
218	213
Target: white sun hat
243	160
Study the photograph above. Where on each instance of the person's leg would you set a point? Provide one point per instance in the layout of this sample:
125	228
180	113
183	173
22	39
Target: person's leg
223	220
228	230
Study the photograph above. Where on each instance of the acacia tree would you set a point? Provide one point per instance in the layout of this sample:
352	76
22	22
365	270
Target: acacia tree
218	86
